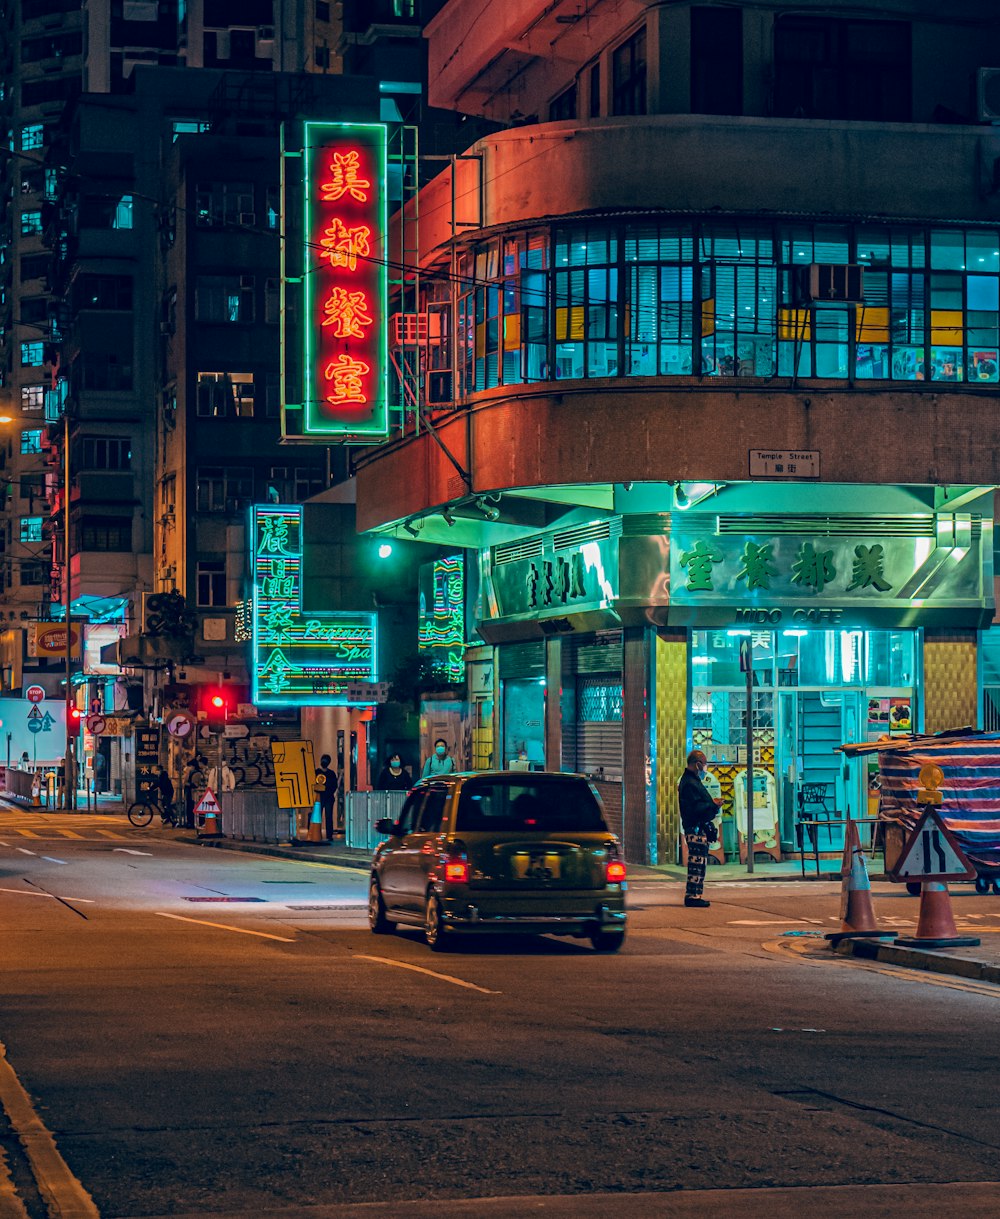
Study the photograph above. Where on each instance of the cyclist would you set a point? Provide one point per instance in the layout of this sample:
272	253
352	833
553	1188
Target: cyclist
162	793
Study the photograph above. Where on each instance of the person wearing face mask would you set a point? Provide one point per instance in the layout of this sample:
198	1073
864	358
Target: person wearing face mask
698	813
394	777
440	762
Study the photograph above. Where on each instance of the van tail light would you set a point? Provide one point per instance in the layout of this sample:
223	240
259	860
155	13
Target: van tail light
456	866
614	873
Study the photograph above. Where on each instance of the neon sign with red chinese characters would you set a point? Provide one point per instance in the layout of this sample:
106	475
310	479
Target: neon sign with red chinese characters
345	280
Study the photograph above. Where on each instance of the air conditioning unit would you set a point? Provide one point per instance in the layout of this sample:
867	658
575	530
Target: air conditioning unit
988	95
829	283
265	39
248	218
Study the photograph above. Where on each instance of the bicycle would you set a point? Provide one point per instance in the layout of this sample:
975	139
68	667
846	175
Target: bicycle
141	812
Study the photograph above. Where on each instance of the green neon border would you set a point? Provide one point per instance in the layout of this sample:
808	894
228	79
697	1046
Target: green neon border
379	425
363	616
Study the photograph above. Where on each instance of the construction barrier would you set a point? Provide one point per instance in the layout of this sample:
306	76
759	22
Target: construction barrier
362	810
253	815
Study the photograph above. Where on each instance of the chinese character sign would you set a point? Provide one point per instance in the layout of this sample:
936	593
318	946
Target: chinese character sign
299	659
345	280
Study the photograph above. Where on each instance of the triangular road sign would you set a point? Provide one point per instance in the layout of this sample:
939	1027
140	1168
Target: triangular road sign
208	803
35	713
931	853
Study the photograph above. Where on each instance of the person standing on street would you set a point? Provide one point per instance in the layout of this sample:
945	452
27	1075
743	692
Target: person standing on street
394	777
439	762
698	813
326	794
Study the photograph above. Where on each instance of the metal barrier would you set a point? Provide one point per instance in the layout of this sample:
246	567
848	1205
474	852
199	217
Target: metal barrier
362	810
254	814
24	786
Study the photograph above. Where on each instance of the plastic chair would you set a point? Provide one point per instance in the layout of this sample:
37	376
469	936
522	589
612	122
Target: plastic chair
813	807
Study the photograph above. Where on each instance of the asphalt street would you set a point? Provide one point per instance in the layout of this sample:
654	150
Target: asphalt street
191	1032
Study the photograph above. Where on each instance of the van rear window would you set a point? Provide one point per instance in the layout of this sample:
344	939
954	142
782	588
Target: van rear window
526	804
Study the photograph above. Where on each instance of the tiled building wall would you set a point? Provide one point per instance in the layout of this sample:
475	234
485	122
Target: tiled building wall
670	745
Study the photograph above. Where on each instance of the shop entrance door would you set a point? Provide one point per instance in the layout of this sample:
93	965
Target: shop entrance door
818	783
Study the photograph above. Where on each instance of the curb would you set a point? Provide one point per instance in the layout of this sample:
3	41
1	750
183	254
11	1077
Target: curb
920	958
300	854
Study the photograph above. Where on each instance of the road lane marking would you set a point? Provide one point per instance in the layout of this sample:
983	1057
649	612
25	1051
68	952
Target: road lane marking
25	851
264	935
62	1193
773	922
129	851
52	859
419	969
41	893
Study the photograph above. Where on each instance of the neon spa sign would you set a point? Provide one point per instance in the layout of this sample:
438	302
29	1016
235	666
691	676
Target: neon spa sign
299	659
345	280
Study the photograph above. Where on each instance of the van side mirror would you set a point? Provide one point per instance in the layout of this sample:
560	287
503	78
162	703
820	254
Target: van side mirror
386	825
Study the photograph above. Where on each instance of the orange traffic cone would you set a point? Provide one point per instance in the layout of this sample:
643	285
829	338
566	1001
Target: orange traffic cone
316	825
856	911
936	923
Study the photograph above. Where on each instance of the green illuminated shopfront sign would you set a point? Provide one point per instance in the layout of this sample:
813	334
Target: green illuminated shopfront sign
299	659
904	573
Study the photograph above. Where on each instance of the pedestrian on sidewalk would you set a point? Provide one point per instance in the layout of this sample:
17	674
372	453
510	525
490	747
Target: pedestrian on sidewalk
440	762
326	794
394	777
698	813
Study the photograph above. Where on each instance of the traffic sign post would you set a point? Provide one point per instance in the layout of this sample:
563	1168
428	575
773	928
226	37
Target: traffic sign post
932	856
931	853
96	724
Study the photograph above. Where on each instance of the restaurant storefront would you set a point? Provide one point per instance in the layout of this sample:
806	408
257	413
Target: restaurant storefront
619	649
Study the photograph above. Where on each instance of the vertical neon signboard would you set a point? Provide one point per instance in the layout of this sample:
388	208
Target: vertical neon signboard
299	659
345	324
441	616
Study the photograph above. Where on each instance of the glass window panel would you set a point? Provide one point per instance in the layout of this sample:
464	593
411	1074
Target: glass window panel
982	248
830	244
946	364
908	364
983	292
948	249
983	364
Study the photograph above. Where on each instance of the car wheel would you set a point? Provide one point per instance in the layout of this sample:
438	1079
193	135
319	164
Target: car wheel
607	941
377	921
435	933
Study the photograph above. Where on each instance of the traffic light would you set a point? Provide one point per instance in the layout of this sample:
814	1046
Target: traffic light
216	707
75	716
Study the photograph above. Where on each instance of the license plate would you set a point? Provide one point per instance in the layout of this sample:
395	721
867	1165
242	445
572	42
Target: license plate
540	866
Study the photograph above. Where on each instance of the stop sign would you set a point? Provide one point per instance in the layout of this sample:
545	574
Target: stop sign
34	694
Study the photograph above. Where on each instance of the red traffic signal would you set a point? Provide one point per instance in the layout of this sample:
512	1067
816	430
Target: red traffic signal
75	714
215	702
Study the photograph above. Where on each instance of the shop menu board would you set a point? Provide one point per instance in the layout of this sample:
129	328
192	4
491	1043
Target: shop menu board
147	755
889	715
